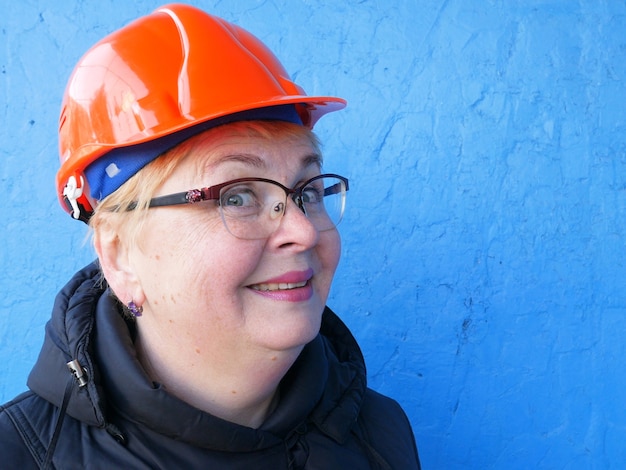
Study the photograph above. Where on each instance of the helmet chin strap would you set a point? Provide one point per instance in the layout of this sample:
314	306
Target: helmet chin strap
76	198
72	192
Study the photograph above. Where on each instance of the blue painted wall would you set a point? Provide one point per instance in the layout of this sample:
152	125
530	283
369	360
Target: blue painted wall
484	251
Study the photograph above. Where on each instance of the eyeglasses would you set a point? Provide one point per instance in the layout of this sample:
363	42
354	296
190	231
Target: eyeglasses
252	208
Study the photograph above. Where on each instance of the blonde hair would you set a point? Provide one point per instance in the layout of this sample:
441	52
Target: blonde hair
138	190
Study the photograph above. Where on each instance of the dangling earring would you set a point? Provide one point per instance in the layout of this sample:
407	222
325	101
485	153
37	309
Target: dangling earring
135	309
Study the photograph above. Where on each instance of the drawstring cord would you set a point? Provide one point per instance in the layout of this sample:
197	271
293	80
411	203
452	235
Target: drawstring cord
297	448
57	427
79	375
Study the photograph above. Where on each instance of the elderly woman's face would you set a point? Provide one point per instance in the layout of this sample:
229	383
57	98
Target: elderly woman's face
206	290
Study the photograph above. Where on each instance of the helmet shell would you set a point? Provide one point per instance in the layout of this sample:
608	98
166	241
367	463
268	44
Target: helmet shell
168	71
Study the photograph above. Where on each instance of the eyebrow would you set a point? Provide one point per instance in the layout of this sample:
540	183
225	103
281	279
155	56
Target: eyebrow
313	159
246	159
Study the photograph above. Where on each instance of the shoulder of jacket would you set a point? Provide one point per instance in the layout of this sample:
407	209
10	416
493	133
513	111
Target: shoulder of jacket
387	429
22	422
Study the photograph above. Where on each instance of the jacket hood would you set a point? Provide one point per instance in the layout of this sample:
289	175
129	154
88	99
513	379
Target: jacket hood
69	336
326	384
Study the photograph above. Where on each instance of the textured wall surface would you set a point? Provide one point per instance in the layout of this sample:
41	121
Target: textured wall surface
483	257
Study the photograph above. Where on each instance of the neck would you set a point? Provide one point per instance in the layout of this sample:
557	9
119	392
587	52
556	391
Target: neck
242	390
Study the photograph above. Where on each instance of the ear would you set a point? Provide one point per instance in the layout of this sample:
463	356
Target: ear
114	252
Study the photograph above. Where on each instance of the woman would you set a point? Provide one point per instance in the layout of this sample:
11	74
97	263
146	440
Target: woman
200	337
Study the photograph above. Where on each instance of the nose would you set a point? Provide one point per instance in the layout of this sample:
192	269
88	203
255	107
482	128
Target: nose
295	228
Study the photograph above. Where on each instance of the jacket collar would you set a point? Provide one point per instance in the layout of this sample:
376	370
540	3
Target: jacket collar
68	337
325	386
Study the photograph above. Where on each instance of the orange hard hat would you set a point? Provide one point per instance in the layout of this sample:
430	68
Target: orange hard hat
156	82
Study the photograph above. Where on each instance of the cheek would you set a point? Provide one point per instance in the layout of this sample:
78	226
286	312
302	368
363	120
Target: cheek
177	233
334	247
169	256
194	267
329	252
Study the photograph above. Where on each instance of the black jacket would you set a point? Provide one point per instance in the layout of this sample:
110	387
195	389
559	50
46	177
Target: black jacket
327	418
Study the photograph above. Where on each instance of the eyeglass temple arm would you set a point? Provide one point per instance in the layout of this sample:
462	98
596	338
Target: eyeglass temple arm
170	200
335	188
188	197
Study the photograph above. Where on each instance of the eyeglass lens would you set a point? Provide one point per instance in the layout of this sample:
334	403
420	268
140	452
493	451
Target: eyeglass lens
254	209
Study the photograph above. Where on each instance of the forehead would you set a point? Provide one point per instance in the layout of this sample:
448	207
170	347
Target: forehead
255	143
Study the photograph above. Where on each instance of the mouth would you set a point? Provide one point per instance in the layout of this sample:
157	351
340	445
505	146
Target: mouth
286	282
269	287
293	286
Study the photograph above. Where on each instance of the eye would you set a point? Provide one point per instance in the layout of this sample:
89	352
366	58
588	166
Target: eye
313	194
236	200
240	198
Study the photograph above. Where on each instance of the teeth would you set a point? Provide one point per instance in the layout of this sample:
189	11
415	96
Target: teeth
281	286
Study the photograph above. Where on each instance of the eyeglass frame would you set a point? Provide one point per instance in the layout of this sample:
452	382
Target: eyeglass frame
213	193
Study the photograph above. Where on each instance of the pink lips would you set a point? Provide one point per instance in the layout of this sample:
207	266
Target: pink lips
294	286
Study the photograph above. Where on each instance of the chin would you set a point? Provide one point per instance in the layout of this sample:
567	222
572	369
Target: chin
292	335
